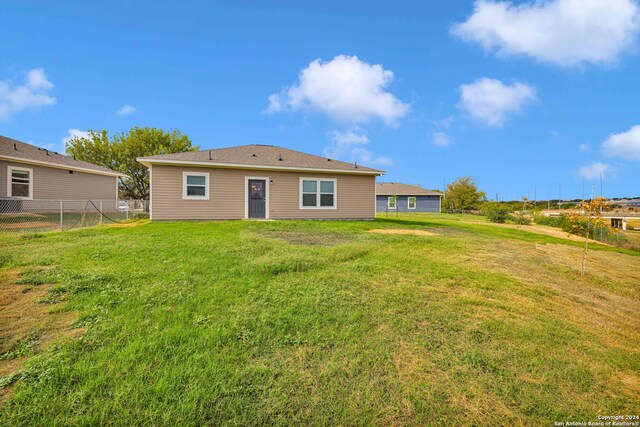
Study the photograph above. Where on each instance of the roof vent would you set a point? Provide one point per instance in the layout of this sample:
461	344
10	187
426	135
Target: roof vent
328	160
15	146
47	151
254	155
210	155
280	157
355	164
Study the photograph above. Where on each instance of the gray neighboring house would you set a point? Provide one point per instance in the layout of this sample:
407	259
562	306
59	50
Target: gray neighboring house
28	172
409	198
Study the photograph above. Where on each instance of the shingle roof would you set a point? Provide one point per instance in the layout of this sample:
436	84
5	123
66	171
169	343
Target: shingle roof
12	149
269	156
398	189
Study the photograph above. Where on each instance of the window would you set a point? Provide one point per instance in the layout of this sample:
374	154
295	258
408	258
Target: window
195	185
20	182
411	203
392	202
317	193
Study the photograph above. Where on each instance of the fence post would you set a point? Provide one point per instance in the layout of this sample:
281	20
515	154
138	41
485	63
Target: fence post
61	216
100	212
127	210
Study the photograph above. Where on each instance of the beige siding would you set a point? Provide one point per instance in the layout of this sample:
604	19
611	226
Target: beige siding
227	194
59	184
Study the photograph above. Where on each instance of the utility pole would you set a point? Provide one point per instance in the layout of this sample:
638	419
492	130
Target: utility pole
600	184
600	203
559	194
444	193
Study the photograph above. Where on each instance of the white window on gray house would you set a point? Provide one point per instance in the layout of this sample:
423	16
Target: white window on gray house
20	183
411	203
195	185
317	193
392	202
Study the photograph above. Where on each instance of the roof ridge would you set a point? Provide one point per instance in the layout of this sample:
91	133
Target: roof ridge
272	146
254	155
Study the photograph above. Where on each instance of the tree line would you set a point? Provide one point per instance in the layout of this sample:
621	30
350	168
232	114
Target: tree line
120	151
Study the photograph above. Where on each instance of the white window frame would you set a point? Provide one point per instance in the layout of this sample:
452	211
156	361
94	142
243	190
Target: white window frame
246	195
184	185
10	170
395	205
335	192
415	202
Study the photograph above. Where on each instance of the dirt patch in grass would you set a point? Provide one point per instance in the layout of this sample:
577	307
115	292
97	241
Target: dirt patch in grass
547	231
604	302
29	322
402	231
30	224
621	267
308	238
125	224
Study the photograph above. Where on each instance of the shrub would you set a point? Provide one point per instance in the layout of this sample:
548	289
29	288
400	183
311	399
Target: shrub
496	212
551	221
522	218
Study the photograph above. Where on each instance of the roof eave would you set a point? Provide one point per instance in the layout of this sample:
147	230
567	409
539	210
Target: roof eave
150	161
59	166
408	194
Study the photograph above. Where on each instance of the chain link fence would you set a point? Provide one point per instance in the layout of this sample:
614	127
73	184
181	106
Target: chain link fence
24	216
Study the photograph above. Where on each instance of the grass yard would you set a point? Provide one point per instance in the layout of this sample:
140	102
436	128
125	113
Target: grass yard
316	323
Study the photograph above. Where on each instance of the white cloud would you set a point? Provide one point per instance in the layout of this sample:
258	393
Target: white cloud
625	145
592	172
126	109
443	123
74	133
349	146
562	32
584	147
33	93
490	101
441	139
346	89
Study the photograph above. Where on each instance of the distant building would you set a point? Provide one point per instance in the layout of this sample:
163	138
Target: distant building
408	198
28	172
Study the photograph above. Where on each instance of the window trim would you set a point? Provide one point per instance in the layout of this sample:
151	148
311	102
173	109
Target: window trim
317	179
184	185
395	206
415	202
10	170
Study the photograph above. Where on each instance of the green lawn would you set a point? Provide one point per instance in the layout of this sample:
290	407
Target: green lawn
323	323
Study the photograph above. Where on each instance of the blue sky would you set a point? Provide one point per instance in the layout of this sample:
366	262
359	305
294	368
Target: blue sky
522	96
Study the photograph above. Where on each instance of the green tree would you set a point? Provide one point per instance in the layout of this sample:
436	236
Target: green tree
462	194
121	151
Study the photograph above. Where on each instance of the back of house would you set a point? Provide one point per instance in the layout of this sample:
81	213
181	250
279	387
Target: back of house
258	182
398	197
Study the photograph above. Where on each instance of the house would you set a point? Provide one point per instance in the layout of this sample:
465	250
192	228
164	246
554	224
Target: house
258	181
397	197
28	172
